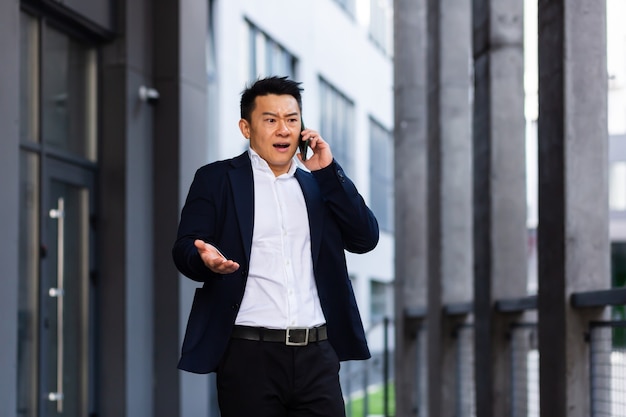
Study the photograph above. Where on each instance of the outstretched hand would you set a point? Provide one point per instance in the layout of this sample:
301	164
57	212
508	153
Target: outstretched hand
213	258
322	155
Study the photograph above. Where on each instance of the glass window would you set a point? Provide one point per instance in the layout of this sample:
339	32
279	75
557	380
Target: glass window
28	310
68	95
267	57
29	86
617	186
348	6
618	272
616	65
381	175
381	24
336	123
381	294
213	106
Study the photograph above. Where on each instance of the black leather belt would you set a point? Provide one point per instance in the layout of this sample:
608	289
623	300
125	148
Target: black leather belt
292	336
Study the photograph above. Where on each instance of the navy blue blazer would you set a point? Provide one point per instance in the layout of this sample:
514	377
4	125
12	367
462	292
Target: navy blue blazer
220	210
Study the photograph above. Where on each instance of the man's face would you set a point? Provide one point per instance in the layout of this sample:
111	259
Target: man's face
274	130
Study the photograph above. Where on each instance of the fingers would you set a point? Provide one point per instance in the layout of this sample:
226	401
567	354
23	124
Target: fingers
200	244
318	145
312	135
214	259
224	266
322	155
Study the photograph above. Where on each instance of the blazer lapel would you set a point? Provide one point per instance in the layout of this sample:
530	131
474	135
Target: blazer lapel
315	209
242	185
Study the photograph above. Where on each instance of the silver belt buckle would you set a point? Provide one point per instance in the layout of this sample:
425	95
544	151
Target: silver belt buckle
288	342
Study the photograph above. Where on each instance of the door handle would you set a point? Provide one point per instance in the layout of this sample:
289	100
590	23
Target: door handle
58	293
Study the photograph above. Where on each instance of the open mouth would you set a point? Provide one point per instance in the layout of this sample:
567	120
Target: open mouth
281	145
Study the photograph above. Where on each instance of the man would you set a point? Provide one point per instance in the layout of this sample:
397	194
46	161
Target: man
276	312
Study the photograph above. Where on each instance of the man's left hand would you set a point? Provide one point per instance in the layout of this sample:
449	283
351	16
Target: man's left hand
322	155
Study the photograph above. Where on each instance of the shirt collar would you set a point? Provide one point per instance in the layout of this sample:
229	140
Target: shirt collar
261	164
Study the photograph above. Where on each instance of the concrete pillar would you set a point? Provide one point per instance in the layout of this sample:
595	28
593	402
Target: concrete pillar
433	194
167	26
435	344
140	229
113	310
449	193
573	244
126	348
180	147
9	212
499	192
410	137
455	182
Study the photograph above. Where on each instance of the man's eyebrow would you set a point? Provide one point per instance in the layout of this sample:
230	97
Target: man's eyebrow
269	113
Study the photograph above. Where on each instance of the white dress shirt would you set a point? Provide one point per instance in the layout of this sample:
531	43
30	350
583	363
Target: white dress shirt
280	291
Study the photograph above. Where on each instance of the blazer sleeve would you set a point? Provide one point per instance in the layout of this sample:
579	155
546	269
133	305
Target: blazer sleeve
358	225
197	221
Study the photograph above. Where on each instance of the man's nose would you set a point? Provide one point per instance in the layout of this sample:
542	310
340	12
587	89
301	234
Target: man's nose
282	128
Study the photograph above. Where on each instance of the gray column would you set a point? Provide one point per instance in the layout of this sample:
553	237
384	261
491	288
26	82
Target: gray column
451	196
167	26
112	383
455	90
499	192
113	225
140	216
180	147
9	214
435	345
410	135
573	244
126	351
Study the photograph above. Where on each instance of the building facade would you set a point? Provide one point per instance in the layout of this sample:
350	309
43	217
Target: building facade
108	108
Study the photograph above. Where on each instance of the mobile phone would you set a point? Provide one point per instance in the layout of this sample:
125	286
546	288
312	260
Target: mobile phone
304	144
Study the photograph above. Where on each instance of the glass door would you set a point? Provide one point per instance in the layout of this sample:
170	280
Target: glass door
67	292
58	129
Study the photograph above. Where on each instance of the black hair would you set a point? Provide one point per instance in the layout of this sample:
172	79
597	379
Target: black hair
265	86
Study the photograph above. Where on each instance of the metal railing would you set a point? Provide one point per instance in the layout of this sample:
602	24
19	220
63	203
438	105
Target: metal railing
466	388
525	370
607	361
358	378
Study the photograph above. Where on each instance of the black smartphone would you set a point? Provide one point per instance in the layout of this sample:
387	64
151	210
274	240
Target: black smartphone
304	144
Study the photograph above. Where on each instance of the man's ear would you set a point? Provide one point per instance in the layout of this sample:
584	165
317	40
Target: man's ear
244	126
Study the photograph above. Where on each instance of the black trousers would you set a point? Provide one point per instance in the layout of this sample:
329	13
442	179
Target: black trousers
271	379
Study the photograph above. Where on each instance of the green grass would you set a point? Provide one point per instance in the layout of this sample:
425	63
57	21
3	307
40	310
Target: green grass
375	403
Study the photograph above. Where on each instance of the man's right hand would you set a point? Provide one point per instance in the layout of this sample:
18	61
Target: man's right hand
213	258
